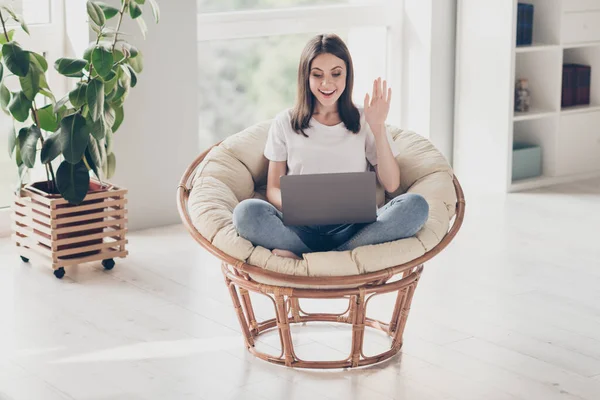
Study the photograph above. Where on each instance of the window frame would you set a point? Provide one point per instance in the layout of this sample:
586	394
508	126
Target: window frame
297	20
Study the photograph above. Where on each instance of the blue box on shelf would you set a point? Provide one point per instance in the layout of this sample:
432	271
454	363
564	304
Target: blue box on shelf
527	161
524	24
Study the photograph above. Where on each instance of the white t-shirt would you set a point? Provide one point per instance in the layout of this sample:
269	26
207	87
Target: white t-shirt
327	149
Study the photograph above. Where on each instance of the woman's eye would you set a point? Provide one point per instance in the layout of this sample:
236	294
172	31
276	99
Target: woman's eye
317	76
336	75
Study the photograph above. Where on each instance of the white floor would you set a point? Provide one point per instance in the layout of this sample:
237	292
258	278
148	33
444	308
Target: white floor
511	310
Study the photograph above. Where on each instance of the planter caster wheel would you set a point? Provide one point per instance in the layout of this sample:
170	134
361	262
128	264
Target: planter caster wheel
108	264
25	259
59	273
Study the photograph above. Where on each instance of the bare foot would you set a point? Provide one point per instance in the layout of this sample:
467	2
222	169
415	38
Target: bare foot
285	253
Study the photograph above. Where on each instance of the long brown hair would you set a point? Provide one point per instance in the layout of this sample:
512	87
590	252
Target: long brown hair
305	100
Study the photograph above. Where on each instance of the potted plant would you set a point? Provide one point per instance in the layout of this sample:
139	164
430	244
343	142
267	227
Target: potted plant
75	215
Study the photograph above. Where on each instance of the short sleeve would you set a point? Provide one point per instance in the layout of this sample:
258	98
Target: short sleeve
276	148
371	149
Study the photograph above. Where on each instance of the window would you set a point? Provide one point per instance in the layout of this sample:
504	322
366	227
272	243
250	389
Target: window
249	52
45	19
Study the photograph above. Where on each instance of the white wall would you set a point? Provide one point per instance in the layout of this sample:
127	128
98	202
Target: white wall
159	136
428	70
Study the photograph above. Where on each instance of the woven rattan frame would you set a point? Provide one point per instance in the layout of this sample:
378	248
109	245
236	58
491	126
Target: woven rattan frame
359	289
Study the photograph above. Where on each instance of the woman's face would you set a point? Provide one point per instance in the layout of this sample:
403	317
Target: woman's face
327	78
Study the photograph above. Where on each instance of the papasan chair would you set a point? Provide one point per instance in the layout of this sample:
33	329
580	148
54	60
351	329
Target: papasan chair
236	169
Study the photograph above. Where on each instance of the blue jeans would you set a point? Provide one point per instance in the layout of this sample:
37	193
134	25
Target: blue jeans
262	224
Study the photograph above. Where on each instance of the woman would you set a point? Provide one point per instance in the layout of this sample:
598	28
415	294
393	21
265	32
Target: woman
326	133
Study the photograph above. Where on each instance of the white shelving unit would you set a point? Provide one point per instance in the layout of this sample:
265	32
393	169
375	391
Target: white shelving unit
488	63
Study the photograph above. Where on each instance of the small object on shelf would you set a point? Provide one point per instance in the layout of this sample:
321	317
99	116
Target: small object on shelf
524	24
527	161
576	85
522	96
568	86
583	74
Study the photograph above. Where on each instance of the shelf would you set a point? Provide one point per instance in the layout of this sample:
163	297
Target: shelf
533	113
581	44
541	181
580	109
536	47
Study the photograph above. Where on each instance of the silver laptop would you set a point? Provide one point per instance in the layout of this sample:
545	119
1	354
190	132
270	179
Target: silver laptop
326	199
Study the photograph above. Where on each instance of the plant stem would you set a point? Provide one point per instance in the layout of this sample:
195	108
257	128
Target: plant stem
121	12
4	27
49	165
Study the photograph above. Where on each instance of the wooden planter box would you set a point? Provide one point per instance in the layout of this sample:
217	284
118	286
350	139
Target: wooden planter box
49	230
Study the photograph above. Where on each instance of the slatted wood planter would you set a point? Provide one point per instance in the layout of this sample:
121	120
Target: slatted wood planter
49	230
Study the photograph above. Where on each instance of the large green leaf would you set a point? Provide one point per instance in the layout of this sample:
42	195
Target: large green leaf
133	76
134	10
15	59
137	63
24	26
19	106
109	142
39	66
140	1
109	115
143	26
109	11
78	95
96	14
11	34
99	128
1	72
119	116
117	98
4	97
93	155
110	84
155	10
95	98
111	165
28	141
18	158
125	76
39	60
47	118
30	83
12	141
69	66
49	95
52	147
75	137
102	60
73	181
61	103
133	51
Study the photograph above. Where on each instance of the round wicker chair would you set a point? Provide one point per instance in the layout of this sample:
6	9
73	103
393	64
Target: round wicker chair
236	169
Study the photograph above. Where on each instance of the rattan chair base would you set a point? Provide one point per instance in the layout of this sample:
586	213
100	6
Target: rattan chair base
288	311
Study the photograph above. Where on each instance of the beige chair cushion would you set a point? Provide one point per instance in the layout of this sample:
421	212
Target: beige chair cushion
237	169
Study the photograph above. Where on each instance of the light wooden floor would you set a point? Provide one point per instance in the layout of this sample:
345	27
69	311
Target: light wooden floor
511	310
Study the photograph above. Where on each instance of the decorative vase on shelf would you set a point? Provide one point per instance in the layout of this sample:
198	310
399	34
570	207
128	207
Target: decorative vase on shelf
522	96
